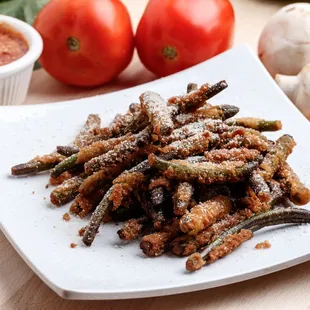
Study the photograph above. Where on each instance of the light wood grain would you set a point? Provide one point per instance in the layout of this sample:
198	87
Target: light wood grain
20	288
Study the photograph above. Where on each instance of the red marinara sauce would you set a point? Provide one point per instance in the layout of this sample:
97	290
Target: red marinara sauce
12	45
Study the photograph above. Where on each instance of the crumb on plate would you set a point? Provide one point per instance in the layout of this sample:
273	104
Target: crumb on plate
66	217
263	245
82	231
73	245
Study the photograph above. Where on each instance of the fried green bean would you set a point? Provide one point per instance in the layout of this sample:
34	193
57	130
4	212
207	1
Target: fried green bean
129	123
157	243
132	228
252	202
123	185
191	146
157	196
220	112
96	218
65	165
92	123
243	138
191	87
134	107
101	178
67	150
120	153
242	154
270	218
297	192
182	198
66	191
255	123
84	205
276	193
37	164
206	173
106	203
187	245
192	129
158	113
207	192
205	214
276	156
100	147
259	186
196	98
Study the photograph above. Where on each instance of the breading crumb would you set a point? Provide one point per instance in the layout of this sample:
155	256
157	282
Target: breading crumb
263	245
82	231
66	217
73	245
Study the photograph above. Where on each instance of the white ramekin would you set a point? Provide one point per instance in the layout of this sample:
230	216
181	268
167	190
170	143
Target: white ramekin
15	76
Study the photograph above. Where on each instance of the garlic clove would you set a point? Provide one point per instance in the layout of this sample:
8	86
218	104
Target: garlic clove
297	88
289	84
284	45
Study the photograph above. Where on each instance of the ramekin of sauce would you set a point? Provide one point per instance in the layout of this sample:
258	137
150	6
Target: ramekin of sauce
20	47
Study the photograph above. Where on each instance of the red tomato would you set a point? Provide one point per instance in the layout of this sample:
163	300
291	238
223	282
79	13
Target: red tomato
176	34
86	42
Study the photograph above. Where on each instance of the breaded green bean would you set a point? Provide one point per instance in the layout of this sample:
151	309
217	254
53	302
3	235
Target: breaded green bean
242	137
97	218
187	245
157	243
83	205
65	165
157	196
129	123
143	168
205	214
276	156
182	198
123	185
134	107
37	164
206	173
132	228
101	178
255	123
206	192
92	123
297	192
158	113
259	186
98	148
276	193
120	153
67	150
220	112
242	154
66	191
274	217
191	87
192	129
191	146
196	98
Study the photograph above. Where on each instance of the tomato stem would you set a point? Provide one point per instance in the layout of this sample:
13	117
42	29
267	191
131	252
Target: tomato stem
169	52
73	43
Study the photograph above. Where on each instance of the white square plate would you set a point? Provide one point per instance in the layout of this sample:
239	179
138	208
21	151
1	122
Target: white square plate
110	269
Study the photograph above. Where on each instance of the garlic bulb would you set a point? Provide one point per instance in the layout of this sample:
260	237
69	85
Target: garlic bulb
284	45
297	88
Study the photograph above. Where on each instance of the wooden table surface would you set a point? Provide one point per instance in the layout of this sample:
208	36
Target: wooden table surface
20	288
